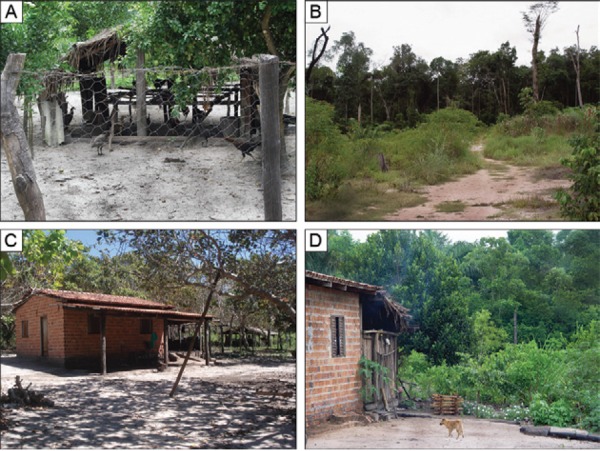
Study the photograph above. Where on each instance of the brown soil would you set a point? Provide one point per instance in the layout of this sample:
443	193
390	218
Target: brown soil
153	181
236	404
487	194
427	433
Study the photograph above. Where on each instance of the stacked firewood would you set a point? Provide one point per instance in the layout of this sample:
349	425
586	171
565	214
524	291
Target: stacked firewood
446	404
24	397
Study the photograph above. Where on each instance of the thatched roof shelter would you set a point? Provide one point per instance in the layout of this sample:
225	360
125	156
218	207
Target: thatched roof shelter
88	55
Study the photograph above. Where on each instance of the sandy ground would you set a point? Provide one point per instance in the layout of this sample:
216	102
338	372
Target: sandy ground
427	433
484	194
152	181
236	404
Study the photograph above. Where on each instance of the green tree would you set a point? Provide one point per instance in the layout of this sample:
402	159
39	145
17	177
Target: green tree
352	73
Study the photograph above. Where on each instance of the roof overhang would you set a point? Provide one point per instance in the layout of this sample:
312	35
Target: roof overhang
170	315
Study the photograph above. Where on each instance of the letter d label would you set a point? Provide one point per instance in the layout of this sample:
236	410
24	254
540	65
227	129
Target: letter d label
316	241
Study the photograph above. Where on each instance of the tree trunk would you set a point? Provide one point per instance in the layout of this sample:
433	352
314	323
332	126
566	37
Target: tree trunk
534	58
14	143
578	71
515	337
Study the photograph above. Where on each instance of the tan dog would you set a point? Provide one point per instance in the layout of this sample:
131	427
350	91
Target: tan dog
452	425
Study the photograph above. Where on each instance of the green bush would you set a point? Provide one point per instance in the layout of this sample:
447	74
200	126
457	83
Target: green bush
581	202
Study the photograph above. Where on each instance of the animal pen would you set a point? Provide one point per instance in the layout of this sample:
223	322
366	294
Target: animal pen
107	106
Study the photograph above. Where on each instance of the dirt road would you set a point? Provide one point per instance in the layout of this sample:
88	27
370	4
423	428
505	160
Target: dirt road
236	404
427	433
487	195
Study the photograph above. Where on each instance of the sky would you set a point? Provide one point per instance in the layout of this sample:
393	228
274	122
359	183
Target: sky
454	29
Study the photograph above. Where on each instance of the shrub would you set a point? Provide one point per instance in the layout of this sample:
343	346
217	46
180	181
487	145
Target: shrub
581	202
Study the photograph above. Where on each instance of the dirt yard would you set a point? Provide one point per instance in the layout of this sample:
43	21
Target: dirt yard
152	181
235	404
427	433
488	195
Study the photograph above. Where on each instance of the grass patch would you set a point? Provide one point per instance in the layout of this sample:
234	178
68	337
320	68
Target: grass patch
527	150
535	208
362	200
454	206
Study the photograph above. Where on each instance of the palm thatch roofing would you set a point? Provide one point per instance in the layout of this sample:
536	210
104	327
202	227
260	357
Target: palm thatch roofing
88	56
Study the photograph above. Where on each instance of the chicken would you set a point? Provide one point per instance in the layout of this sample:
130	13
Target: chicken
245	145
99	141
67	118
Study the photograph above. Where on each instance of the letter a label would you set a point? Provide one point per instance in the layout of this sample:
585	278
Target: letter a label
11	12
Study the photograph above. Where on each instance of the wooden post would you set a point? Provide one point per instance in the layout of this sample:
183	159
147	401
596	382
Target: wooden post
166	340
140	94
185	360
271	138
207	342
103	343
14	143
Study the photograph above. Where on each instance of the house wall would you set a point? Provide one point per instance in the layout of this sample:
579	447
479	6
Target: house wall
69	342
332	383
124	342
32	311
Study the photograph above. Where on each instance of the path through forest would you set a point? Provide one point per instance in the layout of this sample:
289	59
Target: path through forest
499	191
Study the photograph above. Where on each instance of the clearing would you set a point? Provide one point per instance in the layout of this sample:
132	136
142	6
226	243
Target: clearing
427	433
150	181
239	403
498	192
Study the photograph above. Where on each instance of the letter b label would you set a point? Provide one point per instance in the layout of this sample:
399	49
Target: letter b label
316	12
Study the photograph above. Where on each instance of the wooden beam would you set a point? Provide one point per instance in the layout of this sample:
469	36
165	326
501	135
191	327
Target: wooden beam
207	342
166	340
103	342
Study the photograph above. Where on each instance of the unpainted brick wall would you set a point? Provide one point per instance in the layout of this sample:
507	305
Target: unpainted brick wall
332	383
68	336
123	336
32	311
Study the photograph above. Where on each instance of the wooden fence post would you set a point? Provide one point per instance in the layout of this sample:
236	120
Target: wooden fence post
140	94
15	145
271	139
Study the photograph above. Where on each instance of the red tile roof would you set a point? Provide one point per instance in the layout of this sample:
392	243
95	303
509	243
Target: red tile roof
98	299
339	283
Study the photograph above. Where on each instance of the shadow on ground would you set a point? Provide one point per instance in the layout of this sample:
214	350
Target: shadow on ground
125	412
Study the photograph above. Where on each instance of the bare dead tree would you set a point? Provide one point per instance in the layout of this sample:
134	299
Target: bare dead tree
576	65
316	57
14	143
535	20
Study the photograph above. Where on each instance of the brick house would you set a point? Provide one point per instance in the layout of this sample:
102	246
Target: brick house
344	321
93	331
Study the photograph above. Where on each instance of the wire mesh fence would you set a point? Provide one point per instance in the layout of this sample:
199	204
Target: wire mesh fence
187	105
208	109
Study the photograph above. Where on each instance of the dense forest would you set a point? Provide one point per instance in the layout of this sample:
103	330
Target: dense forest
488	84
511	324
376	134
257	273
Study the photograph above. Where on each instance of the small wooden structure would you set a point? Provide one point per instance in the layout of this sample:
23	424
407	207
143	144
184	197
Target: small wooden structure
446	404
